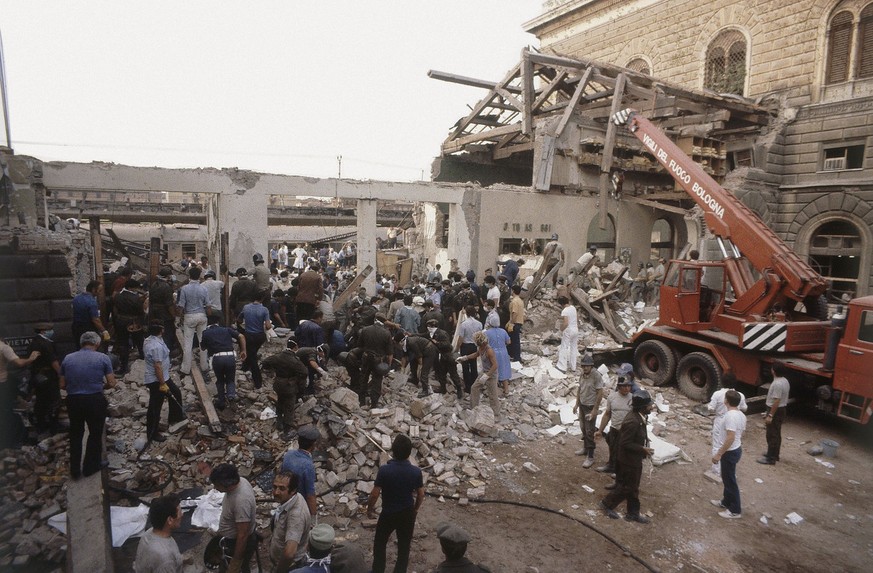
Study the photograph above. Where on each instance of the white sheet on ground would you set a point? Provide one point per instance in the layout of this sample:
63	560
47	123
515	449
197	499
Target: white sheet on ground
126	522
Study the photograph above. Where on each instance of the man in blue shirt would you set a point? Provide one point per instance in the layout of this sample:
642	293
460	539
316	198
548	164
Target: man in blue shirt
299	462
218	341
309	333
192	303
256	323
510	270
85	374
156	378
396	481
86	313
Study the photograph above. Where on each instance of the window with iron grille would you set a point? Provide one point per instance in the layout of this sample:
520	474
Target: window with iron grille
842	155
726	63
639	65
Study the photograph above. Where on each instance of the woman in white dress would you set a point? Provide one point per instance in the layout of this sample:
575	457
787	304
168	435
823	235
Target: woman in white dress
568	353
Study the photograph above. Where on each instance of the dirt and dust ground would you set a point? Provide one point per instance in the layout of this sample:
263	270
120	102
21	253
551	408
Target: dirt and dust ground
686	534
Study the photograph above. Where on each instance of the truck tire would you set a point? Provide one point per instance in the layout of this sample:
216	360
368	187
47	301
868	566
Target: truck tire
816	306
655	361
699	375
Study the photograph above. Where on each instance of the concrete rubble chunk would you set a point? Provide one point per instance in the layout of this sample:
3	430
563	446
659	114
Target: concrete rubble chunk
423	406
481	420
346	399
530	467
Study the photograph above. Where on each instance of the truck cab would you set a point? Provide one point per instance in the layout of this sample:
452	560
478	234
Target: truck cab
854	363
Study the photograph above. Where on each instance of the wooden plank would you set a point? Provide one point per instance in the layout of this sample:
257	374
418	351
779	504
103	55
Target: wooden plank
614	282
600	297
225	276
483	103
97	243
697	118
608	148
352	288
655	205
135	261
467	81
154	259
528	93
535	288
205	398
459	143
505	152
543	169
510	99
89	528
574	101
579	296
549	90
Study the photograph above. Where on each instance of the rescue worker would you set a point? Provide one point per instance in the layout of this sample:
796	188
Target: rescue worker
128	315
378	353
314	359
290	382
261	273
588	397
618	405
633	448
217	342
243	292
352	361
555	257
45	373
421	353
162	308
445	363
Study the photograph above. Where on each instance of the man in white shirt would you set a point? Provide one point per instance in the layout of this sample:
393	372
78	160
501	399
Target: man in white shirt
157	551
716	404
728	455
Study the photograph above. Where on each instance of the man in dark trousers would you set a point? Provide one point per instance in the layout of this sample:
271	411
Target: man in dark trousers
128	316
633	447
156	377
445	363
85	374
309	292
218	341
378	348
422	354
162	307
290	382
44	372
396	482
243	291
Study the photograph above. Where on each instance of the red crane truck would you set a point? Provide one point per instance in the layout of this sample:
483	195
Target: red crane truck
759	304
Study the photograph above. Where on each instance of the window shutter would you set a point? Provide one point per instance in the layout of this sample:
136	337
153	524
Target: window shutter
840	40
865	37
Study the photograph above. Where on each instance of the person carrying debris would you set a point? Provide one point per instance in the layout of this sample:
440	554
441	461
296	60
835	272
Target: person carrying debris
157	551
568	352
489	372
453	542
554	256
396	482
291	523
618	405
236	526
314	359
290	382
632	449
588	397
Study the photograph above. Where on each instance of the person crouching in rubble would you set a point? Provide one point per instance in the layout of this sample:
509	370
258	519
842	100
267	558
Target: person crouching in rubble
632	449
290	382
489	372
314	359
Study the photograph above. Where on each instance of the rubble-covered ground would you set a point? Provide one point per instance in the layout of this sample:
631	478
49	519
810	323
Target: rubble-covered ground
471	462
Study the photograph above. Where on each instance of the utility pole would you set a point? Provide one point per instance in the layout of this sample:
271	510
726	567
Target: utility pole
3	95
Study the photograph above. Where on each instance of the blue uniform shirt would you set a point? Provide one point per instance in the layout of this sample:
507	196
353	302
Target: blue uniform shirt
85	308
299	462
217	339
254	316
155	350
193	298
84	371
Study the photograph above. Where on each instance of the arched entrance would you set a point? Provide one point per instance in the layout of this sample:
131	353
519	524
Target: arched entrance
663	240
835	250
603	239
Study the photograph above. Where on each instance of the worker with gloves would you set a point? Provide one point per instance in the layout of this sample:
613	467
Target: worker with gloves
156	377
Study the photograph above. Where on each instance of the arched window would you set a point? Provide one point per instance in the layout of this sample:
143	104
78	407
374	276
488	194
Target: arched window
639	65
835	250
840	45
865	37
726	63
603	239
662	240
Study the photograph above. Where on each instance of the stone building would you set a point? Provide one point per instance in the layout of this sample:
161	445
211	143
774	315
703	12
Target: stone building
810	61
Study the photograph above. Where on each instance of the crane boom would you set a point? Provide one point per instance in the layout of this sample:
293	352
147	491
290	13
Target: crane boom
726	216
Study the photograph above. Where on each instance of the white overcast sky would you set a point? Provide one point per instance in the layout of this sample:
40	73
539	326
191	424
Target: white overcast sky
278	86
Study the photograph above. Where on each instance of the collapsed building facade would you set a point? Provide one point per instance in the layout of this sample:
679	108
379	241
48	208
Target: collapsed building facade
772	98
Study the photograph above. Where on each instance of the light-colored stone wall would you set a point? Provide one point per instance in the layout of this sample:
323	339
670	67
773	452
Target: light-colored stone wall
785	37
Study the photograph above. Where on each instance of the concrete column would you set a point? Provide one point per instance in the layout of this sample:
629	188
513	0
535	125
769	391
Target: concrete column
460	242
367	241
243	214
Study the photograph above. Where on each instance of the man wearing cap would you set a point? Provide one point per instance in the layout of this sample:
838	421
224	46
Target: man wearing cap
314	359
290	382
217	341
633	449
627	370
291	523
237	521
299	462
588	397
128	315
192	308
85	374
213	299
554	256
243	291
618	406
163	308
445	363
421	352
396	482
453	542
44	373
318	558
86	313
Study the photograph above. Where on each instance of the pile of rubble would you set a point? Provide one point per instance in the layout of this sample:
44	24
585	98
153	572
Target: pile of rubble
451	441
